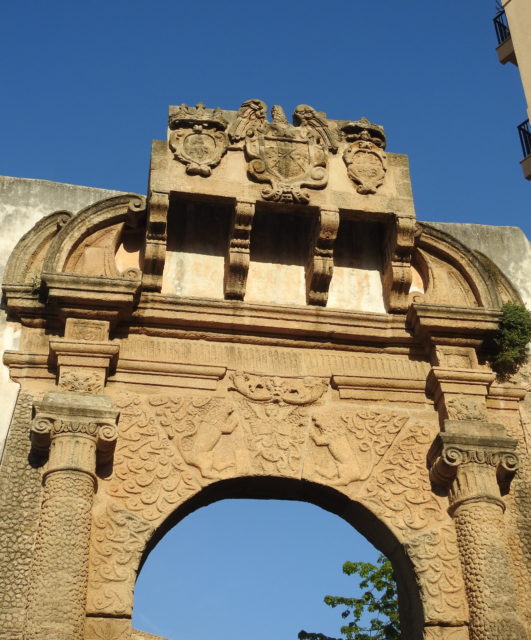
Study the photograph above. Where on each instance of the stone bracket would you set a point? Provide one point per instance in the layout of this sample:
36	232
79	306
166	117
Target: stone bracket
238	251
397	272
320	265
156	237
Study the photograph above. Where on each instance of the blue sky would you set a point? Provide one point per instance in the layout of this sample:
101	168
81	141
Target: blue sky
85	88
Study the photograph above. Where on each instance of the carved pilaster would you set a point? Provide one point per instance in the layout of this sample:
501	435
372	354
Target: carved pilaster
475	461
238	252
156	236
79	432
398	275
320	266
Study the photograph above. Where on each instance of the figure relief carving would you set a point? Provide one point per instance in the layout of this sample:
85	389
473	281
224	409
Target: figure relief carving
117	542
197	138
287	157
275	418
399	489
435	556
276	434
354	443
466	408
364	156
198	426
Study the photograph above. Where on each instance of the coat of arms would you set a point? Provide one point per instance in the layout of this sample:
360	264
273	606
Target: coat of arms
286	156
364	156
197	137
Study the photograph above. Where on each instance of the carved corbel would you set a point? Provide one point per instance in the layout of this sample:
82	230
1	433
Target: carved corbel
238	251
320	265
156	237
398	274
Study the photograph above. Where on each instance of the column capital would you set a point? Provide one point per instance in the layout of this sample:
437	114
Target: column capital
77	415
474	460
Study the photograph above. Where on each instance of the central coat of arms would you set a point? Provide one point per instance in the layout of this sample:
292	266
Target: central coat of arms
286	156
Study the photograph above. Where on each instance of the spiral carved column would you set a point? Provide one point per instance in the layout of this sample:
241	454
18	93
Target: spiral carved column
79	432
475	461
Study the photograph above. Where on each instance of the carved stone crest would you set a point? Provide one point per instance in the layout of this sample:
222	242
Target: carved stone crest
286	156
197	137
364	156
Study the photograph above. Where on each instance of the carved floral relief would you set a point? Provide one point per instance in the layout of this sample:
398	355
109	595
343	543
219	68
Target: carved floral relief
435	556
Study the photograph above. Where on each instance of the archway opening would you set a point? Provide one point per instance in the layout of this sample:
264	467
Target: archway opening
246	567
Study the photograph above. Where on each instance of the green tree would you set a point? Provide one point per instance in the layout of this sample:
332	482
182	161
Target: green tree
379	597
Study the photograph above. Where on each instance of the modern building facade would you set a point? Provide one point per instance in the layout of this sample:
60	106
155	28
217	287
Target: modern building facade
513	30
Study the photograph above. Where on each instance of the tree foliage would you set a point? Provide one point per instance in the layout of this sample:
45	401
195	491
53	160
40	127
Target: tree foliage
509	345
379	597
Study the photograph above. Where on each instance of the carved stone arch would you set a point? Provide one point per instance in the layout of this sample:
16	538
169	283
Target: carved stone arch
22	276
28	255
479	274
360	517
97	217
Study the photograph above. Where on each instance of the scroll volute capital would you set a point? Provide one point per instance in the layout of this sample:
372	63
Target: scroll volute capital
74	417
473	460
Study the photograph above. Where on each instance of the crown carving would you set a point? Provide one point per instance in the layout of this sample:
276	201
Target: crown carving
185	116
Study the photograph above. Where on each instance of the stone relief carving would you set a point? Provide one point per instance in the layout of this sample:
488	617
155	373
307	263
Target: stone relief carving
278	390
150	477
399	489
355	442
364	156
197	138
446	633
287	157
466	408
118	539
435	555
81	381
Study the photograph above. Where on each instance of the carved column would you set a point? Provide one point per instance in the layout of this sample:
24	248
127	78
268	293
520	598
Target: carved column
320	266
238	251
475	462
78	431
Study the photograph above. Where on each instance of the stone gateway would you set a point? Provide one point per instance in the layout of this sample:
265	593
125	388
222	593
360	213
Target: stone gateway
271	321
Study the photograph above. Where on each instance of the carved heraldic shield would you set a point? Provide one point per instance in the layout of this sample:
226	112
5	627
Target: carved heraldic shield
287	157
197	138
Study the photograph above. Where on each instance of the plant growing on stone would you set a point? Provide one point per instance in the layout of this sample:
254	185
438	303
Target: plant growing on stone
380	597
509	345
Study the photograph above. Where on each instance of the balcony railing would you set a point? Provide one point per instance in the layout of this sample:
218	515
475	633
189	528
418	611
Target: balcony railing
524	131
501	27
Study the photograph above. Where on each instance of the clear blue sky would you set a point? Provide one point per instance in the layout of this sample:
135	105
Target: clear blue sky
85	88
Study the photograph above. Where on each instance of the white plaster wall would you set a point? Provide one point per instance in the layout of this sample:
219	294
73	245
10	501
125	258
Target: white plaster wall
23	202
